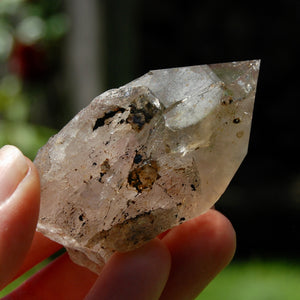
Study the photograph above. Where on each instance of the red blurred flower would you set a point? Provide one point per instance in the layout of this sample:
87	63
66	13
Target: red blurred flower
28	62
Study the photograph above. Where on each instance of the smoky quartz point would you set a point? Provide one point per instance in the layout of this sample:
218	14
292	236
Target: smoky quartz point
144	158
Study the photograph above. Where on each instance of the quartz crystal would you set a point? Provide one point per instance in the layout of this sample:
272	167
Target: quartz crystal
143	158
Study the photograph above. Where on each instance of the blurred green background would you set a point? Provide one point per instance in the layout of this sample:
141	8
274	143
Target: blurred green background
55	56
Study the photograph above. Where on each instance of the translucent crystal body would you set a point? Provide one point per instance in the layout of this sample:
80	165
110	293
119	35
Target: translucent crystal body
144	158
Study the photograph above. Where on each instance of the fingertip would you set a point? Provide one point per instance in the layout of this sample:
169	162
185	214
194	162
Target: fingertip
27	195
19	212
224	238
218	234
200	249
213	228
139	274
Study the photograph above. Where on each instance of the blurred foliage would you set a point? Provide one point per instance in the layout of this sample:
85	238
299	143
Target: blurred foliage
30	32
15	127
255	279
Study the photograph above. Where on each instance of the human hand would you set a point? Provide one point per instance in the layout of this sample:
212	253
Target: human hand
176	265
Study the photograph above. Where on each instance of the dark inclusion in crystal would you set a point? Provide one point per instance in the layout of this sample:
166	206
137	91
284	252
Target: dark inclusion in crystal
101	121
144	176
141	112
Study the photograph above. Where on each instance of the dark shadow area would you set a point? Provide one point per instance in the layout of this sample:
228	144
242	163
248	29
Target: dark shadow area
263	199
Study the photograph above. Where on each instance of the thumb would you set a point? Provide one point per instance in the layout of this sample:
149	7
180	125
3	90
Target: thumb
19	208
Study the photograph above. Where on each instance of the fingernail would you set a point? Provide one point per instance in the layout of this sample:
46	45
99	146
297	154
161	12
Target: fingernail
13	168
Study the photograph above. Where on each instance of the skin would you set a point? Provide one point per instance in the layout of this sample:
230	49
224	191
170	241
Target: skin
176	265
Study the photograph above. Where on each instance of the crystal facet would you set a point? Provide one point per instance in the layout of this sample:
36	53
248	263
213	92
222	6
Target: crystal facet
144	158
